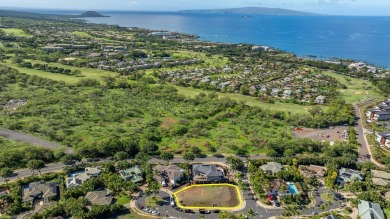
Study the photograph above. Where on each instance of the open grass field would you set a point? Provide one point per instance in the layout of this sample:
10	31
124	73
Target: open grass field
209	196
387	213
357	89
86	72
82	34
251	101
15	32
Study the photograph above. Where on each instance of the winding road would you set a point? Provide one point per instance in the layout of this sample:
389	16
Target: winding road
18	136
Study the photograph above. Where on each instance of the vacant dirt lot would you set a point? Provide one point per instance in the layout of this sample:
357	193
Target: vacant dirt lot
337	133
209	196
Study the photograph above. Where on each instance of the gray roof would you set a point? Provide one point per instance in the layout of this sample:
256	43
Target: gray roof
100	197
272	166
347	175
209	170
384	134
39	189
370	210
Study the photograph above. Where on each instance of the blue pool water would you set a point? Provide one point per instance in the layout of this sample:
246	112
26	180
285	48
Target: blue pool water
75	173
293	189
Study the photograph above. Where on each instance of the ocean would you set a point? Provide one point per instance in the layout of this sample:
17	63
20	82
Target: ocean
360	38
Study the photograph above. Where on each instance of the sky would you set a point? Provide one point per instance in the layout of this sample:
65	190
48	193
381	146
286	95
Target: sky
331	7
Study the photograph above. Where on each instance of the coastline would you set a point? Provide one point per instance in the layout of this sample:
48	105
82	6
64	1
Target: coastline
287	46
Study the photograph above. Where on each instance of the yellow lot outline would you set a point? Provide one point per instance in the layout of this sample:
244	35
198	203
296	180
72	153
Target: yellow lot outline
210	207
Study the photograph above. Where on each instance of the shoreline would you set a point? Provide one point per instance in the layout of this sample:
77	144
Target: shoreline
287	46
206	39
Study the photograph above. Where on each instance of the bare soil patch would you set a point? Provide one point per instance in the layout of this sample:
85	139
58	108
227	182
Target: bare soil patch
209	196
331	134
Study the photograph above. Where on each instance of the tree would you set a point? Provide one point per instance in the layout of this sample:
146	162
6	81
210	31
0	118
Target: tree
188	157
251	213
6	173
166	156
121	155
76	73
235	163
35	165
154	187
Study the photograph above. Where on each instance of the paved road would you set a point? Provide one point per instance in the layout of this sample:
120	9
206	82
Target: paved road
364	152
166	209
18	136
319	201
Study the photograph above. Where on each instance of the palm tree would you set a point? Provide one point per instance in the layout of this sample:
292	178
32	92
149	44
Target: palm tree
251	213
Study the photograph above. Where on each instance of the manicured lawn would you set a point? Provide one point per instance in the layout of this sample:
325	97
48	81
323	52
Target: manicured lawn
326	197
209	196
357	89
86	72
82	34
251	101
153	202
123	199
15	32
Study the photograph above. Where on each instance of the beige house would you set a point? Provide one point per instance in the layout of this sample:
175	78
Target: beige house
380	178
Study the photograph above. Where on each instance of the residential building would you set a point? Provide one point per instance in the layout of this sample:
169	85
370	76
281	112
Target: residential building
312	171
370	210
93	171
133	174
347	175
207	172
272	168
171	173
378	115
77	179
39	190
101	197
273	189
387	195
383	138
380	178
320	99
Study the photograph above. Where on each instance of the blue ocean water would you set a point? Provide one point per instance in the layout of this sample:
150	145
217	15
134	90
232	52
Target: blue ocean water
360	38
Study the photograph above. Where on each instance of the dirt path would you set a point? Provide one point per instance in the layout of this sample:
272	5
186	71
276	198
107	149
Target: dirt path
17	136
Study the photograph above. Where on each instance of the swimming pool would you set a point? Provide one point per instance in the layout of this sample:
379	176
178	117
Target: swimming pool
75	173
292	188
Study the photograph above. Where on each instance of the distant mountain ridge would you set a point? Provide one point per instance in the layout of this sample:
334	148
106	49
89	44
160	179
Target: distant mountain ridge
31	15
253	10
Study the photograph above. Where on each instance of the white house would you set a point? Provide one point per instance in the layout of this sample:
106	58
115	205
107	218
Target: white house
383	138
378	115
171	173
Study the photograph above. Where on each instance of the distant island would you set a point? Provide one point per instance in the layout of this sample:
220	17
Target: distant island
92	14
253	10
31	15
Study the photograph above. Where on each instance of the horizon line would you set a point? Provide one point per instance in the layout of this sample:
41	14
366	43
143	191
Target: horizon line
179	10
